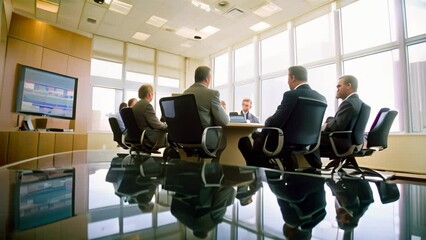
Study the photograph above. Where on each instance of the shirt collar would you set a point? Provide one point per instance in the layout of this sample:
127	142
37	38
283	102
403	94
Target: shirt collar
350	95
305	83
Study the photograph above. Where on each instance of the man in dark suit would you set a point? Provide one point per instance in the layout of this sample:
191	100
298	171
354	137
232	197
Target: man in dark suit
297	81
246	106
156	131
346	115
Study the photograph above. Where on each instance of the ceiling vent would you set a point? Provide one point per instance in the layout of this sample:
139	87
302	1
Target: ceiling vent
234	13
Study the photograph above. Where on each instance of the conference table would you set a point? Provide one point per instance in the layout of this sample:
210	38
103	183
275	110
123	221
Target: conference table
103	194
233	132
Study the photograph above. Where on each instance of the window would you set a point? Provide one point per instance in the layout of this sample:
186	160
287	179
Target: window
275	53
244	62
376	82
320	29
168	82
416	17
245	91
323	80
105	102
139	77
106	69
221	70
417	90
272	94
370	30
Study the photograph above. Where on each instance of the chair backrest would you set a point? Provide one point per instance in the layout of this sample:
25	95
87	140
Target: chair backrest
183	121
133	132
116	131
360	124
378	135
304	126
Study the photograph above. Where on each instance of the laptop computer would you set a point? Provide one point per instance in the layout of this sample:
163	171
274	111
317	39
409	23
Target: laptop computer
237	119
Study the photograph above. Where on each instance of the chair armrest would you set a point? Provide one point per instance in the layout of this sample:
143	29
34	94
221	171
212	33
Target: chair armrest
219	133
280	142
342	140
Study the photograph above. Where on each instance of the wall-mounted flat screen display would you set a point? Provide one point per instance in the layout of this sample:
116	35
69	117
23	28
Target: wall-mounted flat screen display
45	93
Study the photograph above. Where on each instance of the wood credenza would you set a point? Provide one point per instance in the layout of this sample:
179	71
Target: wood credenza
20	145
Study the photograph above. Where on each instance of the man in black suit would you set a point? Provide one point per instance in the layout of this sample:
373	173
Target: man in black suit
348	111
298	83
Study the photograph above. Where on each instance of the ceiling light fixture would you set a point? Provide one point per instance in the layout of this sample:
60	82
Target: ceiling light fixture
141	36
209	30
156	21
50	6
267	10
201	5
260	26
120	7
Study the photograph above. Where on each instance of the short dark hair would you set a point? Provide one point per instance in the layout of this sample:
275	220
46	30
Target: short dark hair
298	72
122	105
352	80
201	73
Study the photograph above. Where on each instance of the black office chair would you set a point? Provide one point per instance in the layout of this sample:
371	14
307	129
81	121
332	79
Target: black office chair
302	132
118	136
135	138
185	130
377	139
345	143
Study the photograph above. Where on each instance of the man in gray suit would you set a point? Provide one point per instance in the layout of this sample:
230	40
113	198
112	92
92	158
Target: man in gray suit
156	131
246	106
208	100
210	109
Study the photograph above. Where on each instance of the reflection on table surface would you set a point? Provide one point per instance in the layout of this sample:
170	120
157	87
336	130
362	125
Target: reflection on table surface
144	197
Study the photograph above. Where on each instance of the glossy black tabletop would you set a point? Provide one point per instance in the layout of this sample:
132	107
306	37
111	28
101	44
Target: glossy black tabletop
105	195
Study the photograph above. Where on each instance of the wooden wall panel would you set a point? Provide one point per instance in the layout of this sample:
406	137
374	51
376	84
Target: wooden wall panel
22	145
4	142
27	29
54	61
17	52
41	45
77	68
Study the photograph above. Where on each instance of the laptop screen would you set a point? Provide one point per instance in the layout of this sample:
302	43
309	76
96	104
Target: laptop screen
237	119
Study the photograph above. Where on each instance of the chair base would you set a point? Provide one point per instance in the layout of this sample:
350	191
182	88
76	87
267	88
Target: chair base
338	166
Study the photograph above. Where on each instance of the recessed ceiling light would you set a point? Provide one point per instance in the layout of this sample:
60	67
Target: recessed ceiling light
120	7
267	10
209	30
260	26
201	5
46	5
141	36
185	32
186	45
156	21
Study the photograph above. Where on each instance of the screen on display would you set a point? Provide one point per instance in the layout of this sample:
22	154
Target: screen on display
45	93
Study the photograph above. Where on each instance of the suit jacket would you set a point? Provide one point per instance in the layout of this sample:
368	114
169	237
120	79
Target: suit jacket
282	114
209	109
345	117
120	122
251	117
147	120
